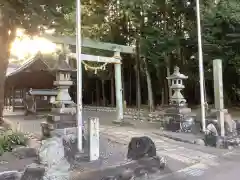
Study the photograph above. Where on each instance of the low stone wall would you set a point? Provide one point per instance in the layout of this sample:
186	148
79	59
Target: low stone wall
99	108
143	115
131	113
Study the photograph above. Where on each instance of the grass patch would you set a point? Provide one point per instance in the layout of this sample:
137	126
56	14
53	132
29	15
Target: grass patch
10	139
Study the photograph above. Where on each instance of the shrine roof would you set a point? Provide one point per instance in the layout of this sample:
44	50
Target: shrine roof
11	68
40	62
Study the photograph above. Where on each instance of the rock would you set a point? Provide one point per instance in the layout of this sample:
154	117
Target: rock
33	172
109	178
10	175
211	140
163	162
34	143
140	171
222	142
45	129
7	157
127	174
70	143
51	154
70	146
25	152
200	142
161	128
140	147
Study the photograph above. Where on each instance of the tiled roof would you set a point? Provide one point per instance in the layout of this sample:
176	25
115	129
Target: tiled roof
52	64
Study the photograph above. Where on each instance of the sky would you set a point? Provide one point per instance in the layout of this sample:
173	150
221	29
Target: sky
25	46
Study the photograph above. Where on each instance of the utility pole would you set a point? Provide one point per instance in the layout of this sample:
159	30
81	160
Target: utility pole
79	74
201	69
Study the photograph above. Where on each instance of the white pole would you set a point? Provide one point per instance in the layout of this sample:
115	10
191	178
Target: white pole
201	70
79	73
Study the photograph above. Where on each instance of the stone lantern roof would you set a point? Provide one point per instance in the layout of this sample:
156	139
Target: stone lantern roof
61	65
177	75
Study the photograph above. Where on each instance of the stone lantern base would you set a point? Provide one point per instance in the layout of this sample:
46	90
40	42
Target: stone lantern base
179	110
180	118
57	121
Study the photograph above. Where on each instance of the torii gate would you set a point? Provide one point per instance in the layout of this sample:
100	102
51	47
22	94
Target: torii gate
116	60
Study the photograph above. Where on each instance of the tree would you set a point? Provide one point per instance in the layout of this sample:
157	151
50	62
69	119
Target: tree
32	15
221	23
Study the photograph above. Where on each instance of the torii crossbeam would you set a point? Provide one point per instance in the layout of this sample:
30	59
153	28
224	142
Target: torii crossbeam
90	43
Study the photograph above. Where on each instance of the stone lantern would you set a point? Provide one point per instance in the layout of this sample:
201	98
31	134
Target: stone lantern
63	102
177	86
63	113
179	115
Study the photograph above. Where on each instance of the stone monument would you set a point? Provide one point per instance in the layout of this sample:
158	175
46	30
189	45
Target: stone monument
178	112
93	138
63	113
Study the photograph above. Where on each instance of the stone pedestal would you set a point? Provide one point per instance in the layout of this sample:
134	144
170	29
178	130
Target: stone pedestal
58	122
180	119
61	121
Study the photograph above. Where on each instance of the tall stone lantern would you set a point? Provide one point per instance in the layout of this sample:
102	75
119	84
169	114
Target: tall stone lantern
179	115
177	86
63	113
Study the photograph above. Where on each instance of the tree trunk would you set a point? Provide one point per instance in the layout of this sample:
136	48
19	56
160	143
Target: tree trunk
169	83
103	93
97	93
138	83
162	99
167	61
166	92
149	87
130	88
5	40
166	55
123	84
112	91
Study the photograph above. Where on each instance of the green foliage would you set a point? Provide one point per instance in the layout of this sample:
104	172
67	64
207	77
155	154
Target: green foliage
31	14
168	35
165	29
220	25
10	139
